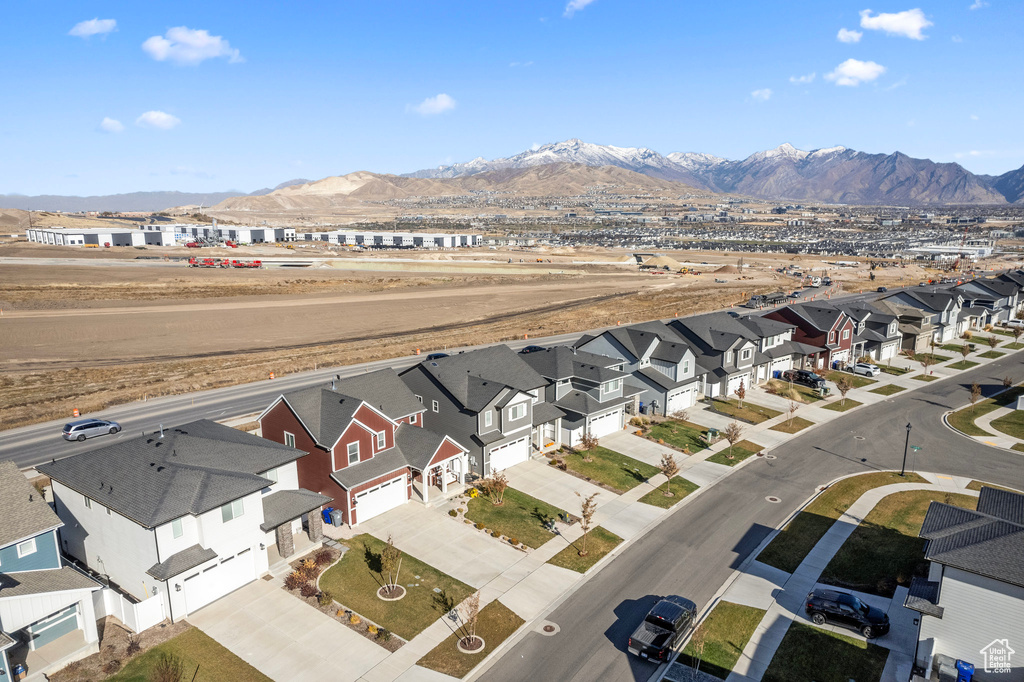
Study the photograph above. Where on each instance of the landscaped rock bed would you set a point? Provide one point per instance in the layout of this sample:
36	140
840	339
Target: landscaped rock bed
460	516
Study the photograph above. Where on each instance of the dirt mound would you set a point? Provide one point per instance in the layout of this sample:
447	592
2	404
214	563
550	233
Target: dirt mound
663	262
728	270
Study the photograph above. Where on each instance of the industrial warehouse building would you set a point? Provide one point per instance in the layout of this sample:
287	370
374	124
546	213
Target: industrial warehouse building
98	236
240	235
393	240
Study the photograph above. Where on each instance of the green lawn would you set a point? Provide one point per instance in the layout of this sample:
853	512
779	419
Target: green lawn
801	394
723	635
884	550
611	468
599	543
840	405
521	517
856	380
680	488
991	354
925	377
953	347
1019	447
679	434
793	425
963	419
354	581
895	371
495	624
808	653
1011	424
887	389
1014	346
739	452
936	358
790	546
978	485
755	414
195	649
962	364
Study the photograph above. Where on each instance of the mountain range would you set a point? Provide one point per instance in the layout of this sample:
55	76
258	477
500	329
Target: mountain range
832	175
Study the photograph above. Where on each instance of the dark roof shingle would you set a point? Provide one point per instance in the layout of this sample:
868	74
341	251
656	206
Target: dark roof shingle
23	511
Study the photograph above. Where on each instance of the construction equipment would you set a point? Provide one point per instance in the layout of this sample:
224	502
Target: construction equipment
246	263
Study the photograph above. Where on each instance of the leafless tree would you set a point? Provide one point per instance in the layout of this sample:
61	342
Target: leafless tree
734	434
494	486
741	393
1007	382
587	509
965	350
926	359
975	394
992	341
844	386
793	406
1017	331
587	443
391	563
668	467
471	615
681	415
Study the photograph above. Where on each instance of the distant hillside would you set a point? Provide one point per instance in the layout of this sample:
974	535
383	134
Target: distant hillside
1011	185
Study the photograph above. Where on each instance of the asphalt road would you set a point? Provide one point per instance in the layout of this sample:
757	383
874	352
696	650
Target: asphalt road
695	550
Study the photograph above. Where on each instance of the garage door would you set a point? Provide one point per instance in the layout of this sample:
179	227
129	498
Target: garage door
510	454
679	401
734	383
381	498
218	580
606	423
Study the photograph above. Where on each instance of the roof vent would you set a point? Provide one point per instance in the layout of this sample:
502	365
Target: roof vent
332	384
161	430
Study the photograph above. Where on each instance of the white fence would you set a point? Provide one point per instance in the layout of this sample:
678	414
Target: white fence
138	617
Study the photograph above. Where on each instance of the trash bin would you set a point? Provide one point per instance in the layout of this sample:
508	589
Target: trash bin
643	409
777	374
336	519
964	671
19	671
326	513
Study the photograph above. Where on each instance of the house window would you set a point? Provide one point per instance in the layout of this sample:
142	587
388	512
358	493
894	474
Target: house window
746	354
272	475
892	329
231	510
382	440
488	418
433	405
26	548
420	398
88	503
412	418
517	411
686	366
289	439
846	334
353	453
831	337
176	530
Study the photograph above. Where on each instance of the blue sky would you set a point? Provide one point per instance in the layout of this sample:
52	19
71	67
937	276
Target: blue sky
204	96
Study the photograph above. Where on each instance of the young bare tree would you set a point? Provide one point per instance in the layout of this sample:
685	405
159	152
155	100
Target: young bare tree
680	415
741	393
391	564
587	509
668	467
975	394
494	487
1007	382
965	350
791	411
587	443
471	615
992	341
926	360
734	434
1017	331
843	385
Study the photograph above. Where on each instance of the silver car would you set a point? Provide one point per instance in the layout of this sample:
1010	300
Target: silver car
87	428
867	369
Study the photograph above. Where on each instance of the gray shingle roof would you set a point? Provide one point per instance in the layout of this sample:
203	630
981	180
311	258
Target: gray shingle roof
658	379
194	468
476	377
820	315
417	445
288	505
583	403
545	412
62	579
383	390
923	597
23	511
325	413
1002	504
560	362
382	463
178	563
638	338
414	447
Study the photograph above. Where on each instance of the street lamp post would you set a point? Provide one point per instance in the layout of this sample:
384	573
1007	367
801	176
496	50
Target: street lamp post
905	446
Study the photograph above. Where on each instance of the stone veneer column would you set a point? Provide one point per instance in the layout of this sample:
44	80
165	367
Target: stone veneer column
316	526
285	541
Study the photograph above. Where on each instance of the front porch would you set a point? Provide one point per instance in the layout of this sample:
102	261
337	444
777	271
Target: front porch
49	658
283	514
440	481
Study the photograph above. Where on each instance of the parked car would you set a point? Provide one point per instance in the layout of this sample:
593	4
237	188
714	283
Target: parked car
882	290
804	378
867	369
662	628
1015	323
842	608
532	349
436	356
87	428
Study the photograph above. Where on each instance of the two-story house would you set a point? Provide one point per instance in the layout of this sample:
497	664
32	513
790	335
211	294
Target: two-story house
876	335
658	361
590	389
47	619
490	401
191	513
368	450
914	326
941	309
973	594
998	296
822	325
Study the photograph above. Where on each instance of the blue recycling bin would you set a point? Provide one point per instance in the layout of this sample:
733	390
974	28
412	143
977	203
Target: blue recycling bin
326	513
777	374
964	671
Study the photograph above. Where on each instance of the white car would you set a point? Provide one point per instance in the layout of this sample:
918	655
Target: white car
866	369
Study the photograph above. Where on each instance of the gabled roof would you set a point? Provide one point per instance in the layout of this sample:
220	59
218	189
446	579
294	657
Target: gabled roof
63	579
581	402
1015	276
192	469
414	447
179	562
821	316
639	339
714	331
894	307
563	362
285	505
997	286
383	390
935	301
324	412
23	511
475	378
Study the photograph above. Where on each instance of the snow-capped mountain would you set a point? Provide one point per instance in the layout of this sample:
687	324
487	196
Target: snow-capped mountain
832	174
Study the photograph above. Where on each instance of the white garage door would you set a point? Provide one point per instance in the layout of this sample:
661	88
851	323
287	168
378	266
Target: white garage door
606	423
510	454
381	498
734	383
679	401
219	579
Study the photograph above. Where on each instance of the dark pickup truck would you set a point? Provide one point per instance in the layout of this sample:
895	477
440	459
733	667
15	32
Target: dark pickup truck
662	628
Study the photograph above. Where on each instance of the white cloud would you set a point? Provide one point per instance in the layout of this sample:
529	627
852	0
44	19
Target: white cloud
908	23
111	125
575	6
93	27
846	35
157	119
184	45
438	104
898	84
522	64
853	72
803	80
975	117
978	4
762	95
957	39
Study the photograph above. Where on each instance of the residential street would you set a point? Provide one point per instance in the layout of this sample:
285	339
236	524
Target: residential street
693	552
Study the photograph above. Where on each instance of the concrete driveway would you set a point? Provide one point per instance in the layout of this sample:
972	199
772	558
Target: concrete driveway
548	484
634	446
284	638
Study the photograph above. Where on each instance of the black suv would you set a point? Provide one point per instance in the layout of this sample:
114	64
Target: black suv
803	377
829	606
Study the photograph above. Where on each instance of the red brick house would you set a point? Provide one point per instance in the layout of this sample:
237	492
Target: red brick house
821	325
368	449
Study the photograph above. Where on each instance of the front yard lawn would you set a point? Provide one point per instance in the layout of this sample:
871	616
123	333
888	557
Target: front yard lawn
195	649
953	347
841	405
521	516
1019	447
978	485
723	634
963	420
856	380
925	377
611	468
739	452
679	434
790	546
991	354
1011	424
887	389
895	371
680	488
962	364
884	550
793	425
494	625
936	358
755	414
599	543
1014	346
354	581
809	653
